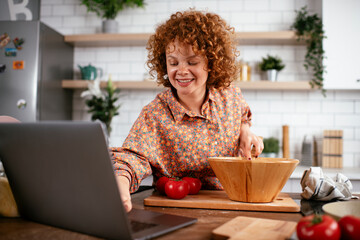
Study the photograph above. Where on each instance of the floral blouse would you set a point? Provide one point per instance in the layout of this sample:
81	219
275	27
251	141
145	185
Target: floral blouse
169	140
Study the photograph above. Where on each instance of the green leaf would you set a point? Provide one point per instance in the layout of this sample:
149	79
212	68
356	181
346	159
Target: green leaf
310	27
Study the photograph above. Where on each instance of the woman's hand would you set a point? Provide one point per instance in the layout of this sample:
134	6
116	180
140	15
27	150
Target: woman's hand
124	186
247	138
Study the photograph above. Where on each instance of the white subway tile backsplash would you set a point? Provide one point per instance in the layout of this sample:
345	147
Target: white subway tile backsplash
288	17
268	119
242	17
347	95
107	56
269	17
71	1
156	7
347	120
295	119
357	106
51	2
259	106
280	5
206	5
74	21
143	19
64	10
282	106
322	120
337	107
255	28
351	146
348	160
54	22
119	67
294	95
84	56
45	11
308	106
231	6
256	5
175	6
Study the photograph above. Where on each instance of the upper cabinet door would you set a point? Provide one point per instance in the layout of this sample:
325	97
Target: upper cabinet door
341	21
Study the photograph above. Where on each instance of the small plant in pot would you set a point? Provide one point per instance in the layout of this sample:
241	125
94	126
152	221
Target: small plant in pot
271	65
109	9
271	147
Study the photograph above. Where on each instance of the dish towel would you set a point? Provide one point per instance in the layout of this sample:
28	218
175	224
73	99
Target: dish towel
317	186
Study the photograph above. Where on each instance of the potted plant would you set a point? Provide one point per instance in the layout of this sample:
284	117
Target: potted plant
271	147
109	9
310	28
271	65
102	103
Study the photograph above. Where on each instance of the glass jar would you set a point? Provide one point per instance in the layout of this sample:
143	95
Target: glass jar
245	72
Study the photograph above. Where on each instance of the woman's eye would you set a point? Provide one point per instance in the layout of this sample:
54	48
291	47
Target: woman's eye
172	63
192	63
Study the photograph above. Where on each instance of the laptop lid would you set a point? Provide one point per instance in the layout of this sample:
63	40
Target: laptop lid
61	175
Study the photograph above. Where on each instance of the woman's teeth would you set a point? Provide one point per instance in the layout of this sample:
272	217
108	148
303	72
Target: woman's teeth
185	81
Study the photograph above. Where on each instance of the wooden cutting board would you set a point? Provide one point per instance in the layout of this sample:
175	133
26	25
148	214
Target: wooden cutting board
244	228
212	199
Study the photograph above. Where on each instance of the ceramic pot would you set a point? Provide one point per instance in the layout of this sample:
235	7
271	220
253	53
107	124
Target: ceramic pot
109	26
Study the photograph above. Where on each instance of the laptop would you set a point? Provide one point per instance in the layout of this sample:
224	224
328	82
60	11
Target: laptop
61	175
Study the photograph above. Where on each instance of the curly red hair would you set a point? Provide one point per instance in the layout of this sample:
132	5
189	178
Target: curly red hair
207	33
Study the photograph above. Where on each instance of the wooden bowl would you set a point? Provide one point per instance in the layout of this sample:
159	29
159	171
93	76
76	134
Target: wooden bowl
259	180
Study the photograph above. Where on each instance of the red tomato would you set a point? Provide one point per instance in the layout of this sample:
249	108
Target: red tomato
350	227
318	227
194	184
176	189
160	184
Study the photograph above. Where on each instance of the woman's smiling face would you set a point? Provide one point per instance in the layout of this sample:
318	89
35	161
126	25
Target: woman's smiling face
187	71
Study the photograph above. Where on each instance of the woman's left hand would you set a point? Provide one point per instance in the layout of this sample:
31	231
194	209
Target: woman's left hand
247	138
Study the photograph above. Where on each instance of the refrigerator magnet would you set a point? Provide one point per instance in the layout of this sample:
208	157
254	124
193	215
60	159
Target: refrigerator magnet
18	42
4	40
10	52
2	68
18	65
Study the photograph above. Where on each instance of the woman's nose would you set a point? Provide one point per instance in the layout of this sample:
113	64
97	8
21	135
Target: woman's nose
183	69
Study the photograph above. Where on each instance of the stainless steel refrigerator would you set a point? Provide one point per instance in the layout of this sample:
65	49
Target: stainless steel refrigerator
33	60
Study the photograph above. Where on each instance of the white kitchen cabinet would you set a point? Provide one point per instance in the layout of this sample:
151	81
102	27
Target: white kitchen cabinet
341	21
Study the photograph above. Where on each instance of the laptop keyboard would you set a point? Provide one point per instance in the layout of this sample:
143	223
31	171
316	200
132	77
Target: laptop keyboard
139	226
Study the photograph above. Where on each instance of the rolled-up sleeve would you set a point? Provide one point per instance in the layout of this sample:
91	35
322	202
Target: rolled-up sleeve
132	160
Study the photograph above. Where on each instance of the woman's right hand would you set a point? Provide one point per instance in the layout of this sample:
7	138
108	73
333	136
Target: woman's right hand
124	186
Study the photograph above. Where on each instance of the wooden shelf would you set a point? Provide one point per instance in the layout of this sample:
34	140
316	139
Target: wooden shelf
140	39
256	85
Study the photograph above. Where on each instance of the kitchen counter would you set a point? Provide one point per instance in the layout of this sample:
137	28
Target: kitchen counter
208	220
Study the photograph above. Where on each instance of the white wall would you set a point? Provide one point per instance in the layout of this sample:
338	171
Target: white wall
306	112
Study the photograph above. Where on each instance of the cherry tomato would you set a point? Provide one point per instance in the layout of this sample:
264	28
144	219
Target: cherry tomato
350	227
194	184
318	227
176	189
160	184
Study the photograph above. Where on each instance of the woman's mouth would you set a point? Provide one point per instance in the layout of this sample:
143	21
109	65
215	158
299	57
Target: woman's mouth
184	82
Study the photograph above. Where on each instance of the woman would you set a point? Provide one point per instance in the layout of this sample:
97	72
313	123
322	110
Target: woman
198	116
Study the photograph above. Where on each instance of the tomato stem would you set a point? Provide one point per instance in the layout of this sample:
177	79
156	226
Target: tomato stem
317	219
